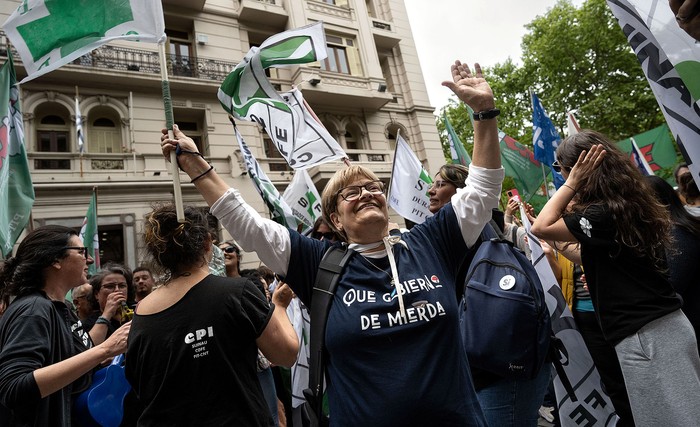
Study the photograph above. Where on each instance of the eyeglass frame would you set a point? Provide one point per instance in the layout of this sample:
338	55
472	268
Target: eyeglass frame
78	298
113	286
557	167
361	187
329	235
231	249
83	249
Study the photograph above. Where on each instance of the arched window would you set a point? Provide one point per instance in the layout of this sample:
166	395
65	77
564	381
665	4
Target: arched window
52	135
104	135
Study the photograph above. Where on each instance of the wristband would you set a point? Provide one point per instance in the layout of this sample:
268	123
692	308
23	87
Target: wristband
211	168
102	321
569	187
486	114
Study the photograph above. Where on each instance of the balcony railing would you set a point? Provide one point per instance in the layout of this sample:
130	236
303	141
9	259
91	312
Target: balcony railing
143	61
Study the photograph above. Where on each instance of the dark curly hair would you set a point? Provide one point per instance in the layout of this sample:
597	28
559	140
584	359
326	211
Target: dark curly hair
24	273
642	223
176	247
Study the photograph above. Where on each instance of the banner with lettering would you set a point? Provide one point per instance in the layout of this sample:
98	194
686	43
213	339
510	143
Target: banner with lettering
409	184
670	59
302	197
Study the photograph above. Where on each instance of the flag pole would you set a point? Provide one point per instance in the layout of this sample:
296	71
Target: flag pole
544	174
167	103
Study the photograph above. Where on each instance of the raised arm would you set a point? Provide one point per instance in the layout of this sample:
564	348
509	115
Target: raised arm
253	232
473	203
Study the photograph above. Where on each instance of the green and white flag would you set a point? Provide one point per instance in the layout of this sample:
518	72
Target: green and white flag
51	33
521	165
302	197
670	59
89	234
408	194
247	94
79	127
16	189
279	209
457	151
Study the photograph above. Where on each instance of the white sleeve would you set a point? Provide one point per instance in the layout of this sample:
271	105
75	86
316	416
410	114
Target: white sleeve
473	203
253	232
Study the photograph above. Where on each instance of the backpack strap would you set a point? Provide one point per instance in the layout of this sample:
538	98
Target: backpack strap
329	270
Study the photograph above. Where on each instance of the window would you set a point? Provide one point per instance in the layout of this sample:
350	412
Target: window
52	136
103	135
342	56
271	152
181	54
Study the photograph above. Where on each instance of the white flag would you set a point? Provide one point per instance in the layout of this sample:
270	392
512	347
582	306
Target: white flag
51	33
279	210
303	198
670	59
409	184
572	124
590	406
79	127
247	94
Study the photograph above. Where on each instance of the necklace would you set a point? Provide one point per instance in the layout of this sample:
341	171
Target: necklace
378	269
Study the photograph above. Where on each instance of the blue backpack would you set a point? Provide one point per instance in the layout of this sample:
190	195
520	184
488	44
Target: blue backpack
504	321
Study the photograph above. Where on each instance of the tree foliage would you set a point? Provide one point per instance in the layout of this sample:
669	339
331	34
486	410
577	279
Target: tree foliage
573	59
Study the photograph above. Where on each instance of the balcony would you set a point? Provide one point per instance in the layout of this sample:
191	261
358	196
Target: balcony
269	12
338	89
197	5
384	33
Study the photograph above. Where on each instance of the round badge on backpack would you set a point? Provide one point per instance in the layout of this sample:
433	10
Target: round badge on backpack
507	282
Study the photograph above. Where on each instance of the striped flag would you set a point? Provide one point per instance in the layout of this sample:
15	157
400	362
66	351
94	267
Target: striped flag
89	234
16	189
51	33
408	194
572	124
79	127
279	209
247	94
670	59
639	160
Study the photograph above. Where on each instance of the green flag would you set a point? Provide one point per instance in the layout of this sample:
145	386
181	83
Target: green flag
655	145
16	189
457	151
520	164
89	234
51	33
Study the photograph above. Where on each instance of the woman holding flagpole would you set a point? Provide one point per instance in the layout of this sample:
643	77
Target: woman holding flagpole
607	206
392	332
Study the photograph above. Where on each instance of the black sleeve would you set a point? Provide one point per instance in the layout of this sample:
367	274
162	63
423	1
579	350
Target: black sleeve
593	226
256	311
25	350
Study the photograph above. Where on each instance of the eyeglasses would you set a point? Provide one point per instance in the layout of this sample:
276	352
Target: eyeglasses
557	167
230	250
76	299
323	236
353	192
438	184
112	286
82	249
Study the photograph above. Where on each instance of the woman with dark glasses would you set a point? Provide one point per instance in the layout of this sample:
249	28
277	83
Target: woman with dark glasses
45	356
232	258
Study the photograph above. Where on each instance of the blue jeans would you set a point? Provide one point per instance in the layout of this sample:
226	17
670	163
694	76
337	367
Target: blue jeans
514	403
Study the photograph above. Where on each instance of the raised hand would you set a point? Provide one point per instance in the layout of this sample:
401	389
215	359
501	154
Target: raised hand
179	138
472	89
687	16
586	163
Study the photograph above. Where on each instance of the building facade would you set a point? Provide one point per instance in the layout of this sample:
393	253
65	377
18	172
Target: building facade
369	88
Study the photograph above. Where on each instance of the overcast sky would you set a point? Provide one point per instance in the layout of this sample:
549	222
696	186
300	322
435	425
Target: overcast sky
484	31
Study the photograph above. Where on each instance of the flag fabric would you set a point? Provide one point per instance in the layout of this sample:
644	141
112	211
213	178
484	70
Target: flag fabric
16	189
247	94
639	160
590	402
670	59
656	146
408	194
89	234
457	151
520	164
572	124
545	138
302	197
51	33
79	127
279	209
